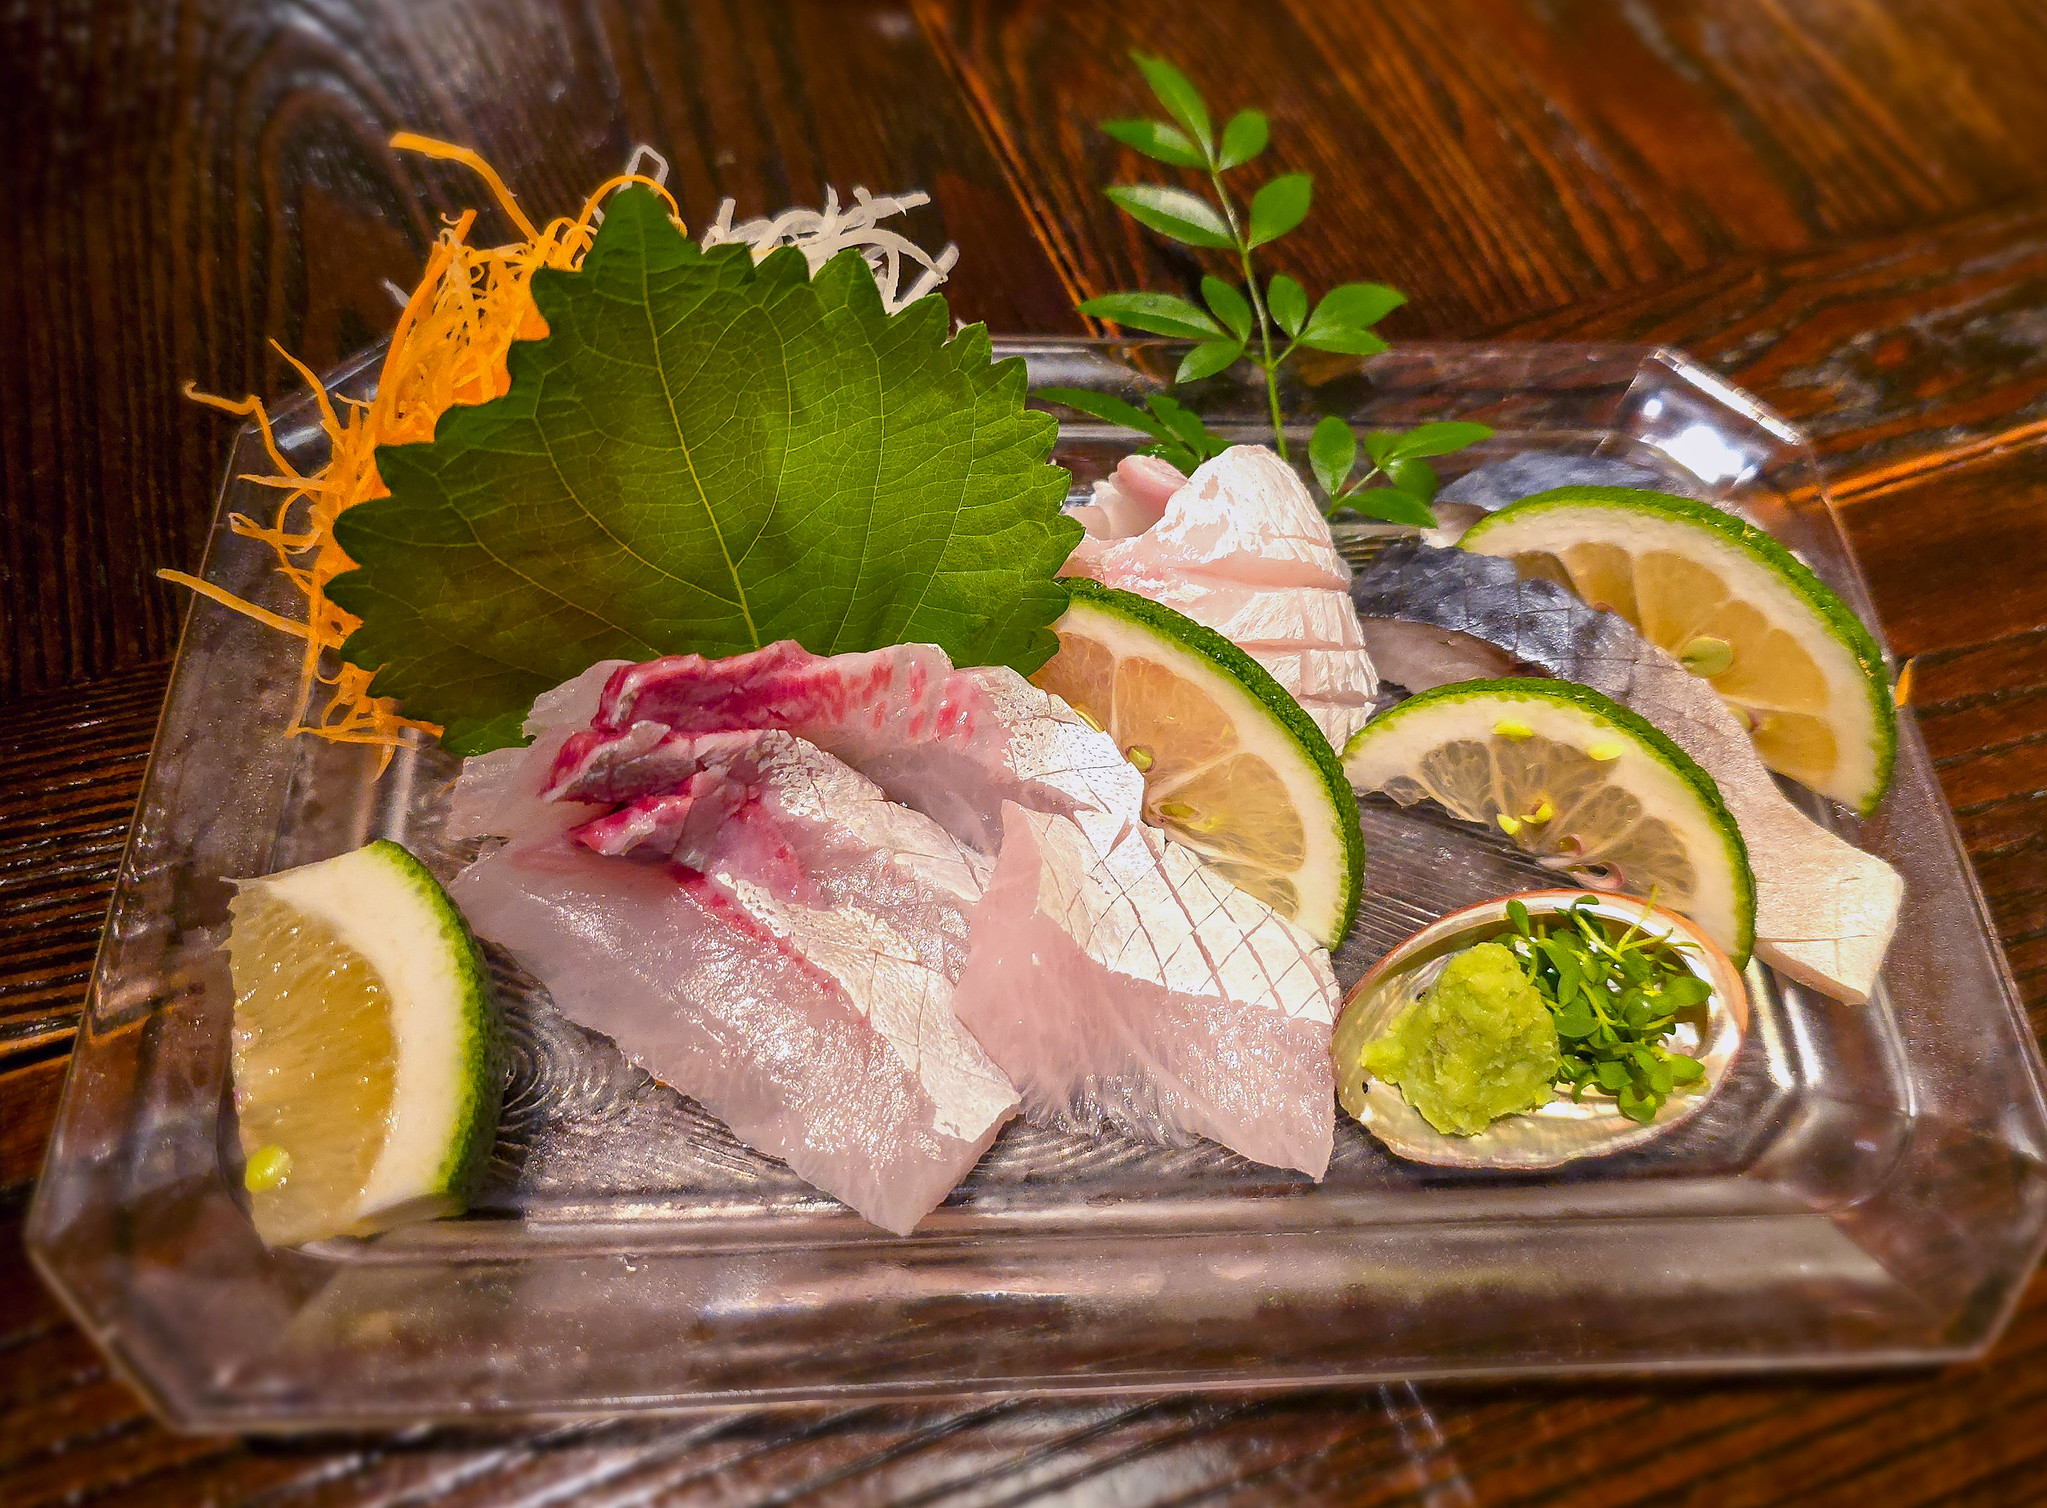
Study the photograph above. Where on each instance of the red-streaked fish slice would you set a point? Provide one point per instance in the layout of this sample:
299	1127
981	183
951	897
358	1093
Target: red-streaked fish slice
1119	982
672	824
715	995
801	902
951	743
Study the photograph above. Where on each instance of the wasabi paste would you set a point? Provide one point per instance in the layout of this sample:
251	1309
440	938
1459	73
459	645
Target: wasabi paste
1479	1044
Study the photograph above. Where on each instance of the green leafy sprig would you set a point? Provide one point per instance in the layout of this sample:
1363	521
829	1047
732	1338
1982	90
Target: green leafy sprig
1400	461
1615	1002
1265	320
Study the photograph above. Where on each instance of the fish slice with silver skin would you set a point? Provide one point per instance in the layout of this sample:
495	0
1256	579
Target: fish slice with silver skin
1825	910
1115	978
760	929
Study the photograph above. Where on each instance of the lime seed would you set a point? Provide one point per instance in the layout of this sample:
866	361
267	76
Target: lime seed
268	1167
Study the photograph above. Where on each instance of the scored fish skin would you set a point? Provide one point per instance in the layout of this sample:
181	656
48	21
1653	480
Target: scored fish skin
1242	548
1094	965
793	970
986	741
950	743
1825	910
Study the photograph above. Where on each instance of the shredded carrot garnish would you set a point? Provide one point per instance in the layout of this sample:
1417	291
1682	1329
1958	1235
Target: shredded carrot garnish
449	348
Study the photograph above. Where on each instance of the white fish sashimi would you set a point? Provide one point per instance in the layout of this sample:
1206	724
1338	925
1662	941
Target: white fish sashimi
1242	549
793	969
953	744
1121	983
1247	614
978	750
1246	516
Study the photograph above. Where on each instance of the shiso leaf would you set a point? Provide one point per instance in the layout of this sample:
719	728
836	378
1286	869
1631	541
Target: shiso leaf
704	456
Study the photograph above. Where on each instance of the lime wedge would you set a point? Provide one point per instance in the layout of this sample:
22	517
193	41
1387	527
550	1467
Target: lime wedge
1233	768
366	1080
1586	786
1737	608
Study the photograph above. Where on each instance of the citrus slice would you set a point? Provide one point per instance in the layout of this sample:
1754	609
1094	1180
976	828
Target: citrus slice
1233	768
366	1081
1788	655
1586	786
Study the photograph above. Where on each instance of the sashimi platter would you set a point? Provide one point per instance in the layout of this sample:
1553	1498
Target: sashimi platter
1277	806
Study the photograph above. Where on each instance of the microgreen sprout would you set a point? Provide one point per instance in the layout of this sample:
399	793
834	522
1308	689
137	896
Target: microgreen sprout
1266	320
1615	1001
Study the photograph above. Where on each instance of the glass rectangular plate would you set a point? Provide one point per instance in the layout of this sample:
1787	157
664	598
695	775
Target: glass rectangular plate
1866	1190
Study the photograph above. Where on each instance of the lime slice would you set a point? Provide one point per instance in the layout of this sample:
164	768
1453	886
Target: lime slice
366	1081
1233	768
1736	607
1586	786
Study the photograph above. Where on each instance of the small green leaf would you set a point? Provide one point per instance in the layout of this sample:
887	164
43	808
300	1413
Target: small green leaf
1342	342
1185	425
1393	506
1279	206
1577	1022
1207	359
1160	313
1173	212
1683	992
1684	1069
1243	138
1516	912
1288	303
1441	439
1332	452
1157	140
1175	455
1417	478
1229	305
1103	406
1612	1076
1355	306
1637	1106
1342	321
1178	94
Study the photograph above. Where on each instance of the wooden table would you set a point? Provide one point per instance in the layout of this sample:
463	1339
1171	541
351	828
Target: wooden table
1841	205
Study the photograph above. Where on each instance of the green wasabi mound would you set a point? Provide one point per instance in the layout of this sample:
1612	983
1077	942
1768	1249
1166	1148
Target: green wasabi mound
1478	1045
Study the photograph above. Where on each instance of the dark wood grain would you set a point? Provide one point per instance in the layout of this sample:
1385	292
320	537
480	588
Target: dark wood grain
1497	158
1841	205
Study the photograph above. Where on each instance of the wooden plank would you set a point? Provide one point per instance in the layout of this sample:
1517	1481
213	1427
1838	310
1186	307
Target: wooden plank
1497	158
70	769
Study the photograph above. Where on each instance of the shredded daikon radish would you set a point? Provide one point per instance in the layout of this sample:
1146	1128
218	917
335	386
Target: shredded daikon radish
822	234
449	348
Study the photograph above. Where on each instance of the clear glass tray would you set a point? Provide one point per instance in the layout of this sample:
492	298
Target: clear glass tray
1867	1188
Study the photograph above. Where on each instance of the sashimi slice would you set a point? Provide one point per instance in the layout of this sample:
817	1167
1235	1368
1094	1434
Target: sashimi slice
705	992
1245	516
1131	498
1119	982
953	744
499	792
793	971
1249	614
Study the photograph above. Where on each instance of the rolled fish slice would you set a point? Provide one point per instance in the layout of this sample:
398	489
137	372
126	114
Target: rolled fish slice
789	962
1211	988
1242	548
1825	910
